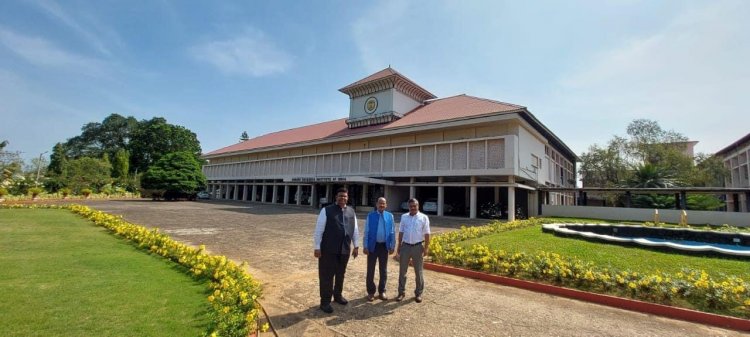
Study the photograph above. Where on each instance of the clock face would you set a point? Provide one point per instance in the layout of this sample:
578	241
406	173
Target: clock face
371	104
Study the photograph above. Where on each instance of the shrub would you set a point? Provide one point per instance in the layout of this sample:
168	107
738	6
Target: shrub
86	192
3	192
64	192
35	191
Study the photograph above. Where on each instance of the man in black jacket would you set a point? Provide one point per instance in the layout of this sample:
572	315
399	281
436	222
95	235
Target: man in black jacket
335	231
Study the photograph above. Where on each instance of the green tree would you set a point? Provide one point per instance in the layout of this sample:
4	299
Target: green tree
175	173
155	138
96	139
11	167
121	164
86	172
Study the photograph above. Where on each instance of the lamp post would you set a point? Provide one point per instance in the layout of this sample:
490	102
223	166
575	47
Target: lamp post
39	167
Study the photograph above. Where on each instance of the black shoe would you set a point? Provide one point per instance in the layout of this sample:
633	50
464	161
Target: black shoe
382	297
400	297
418	299
341	300
327	308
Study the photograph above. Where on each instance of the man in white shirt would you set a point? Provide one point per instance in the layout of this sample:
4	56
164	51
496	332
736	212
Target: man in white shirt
335	231
413	244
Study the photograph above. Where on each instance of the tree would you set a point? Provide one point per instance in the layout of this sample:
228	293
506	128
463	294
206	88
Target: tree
96	139
155	138
11	166
244	136
86	172
176	174
121	164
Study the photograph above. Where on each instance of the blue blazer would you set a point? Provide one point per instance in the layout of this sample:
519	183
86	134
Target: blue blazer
371	231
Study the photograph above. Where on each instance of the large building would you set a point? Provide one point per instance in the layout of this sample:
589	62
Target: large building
735	158
400	141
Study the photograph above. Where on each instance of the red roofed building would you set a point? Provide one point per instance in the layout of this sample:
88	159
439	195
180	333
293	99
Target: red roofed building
400	141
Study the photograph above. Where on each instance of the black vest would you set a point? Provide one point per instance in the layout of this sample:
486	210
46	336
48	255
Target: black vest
337	237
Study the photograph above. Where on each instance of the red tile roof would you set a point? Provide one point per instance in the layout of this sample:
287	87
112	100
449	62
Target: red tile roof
445	109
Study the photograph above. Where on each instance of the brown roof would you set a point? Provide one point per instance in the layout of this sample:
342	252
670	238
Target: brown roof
445	109
386	74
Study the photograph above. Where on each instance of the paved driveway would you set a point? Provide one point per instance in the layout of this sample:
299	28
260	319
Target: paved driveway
276	241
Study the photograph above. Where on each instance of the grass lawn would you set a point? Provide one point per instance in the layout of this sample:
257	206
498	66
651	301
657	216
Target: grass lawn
532	239
61	275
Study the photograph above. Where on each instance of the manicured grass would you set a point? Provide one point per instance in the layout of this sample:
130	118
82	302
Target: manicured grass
61	275
532	239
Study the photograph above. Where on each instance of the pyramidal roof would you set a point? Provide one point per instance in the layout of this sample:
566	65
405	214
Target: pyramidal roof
386	79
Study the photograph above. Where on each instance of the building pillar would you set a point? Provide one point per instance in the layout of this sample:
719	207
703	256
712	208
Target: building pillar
511	203
236	192
299	195
329	193
413	189
263	193
365	187
314	195
473	198
441	197
253	197
244	193
274	194
286	194
497	194
226	191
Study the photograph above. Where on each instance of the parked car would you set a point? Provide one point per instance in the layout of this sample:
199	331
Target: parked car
203	195
431	206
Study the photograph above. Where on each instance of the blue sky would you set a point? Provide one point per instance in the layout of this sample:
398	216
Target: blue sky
584	68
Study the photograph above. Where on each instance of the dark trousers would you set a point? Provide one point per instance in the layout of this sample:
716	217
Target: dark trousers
379	255
331	269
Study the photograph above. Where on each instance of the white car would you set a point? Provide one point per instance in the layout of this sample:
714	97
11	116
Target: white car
203	195
431	206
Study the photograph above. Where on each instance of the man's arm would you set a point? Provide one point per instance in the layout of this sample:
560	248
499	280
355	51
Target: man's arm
426	231
320	227
364	237
355	238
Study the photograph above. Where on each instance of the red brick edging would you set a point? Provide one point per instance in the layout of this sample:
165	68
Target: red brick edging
612	301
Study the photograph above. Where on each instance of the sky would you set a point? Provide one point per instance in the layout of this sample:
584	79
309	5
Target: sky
585	69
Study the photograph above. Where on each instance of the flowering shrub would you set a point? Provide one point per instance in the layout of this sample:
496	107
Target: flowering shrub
234	309
691	288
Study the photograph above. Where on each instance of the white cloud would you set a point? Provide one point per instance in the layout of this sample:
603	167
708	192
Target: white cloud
251	54
687	75
54	9
42	52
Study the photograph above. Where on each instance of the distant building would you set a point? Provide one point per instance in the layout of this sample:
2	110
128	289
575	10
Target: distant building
400	141
736	161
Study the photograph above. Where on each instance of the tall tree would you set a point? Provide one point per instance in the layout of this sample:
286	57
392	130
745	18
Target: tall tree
112	134
177	172
155	138
121	164
87	172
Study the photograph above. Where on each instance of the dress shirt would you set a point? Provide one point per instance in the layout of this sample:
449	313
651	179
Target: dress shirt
380	235
414	227
320	227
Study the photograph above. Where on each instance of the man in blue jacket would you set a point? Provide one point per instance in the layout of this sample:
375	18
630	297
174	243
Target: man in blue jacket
379	241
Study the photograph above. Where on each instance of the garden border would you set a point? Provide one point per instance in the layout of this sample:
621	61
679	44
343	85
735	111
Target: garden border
612	301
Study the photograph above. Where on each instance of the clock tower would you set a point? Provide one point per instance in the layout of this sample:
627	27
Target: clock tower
382	97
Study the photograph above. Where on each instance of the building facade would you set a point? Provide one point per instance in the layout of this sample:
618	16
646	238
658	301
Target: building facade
400	141
735	158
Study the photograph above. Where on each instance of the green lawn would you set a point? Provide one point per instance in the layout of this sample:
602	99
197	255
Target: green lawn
532	239
61	275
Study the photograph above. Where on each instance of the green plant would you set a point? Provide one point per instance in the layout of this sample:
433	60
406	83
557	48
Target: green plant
86	192
64	192
3	192
35	191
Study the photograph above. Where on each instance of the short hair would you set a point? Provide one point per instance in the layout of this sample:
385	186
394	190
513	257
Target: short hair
382	198
414	201
342	189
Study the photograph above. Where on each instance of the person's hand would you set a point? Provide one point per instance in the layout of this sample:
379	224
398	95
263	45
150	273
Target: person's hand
364	250
355	252
317	253
424	253
390	252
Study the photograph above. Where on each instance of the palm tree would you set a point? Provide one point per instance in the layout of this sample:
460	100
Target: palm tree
651	176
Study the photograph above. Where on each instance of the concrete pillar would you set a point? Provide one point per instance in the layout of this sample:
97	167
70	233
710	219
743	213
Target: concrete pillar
364	194
329	193
511	203
441	197
314	196
497	194
274	194
255	193
413	189
226	191
263	193
286	194
236	194
299	195
244	193
473	199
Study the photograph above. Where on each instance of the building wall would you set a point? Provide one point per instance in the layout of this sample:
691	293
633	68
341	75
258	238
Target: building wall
738	164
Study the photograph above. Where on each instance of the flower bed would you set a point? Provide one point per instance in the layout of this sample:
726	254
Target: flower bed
234	309
694	289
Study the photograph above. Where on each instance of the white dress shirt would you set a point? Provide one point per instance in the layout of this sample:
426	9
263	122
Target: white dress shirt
320	227
414	227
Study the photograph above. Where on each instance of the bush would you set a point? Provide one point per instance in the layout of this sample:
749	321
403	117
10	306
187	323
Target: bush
3	192
64	191
86	192
35	191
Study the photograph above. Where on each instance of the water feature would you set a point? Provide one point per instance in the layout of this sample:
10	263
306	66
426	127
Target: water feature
686	240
